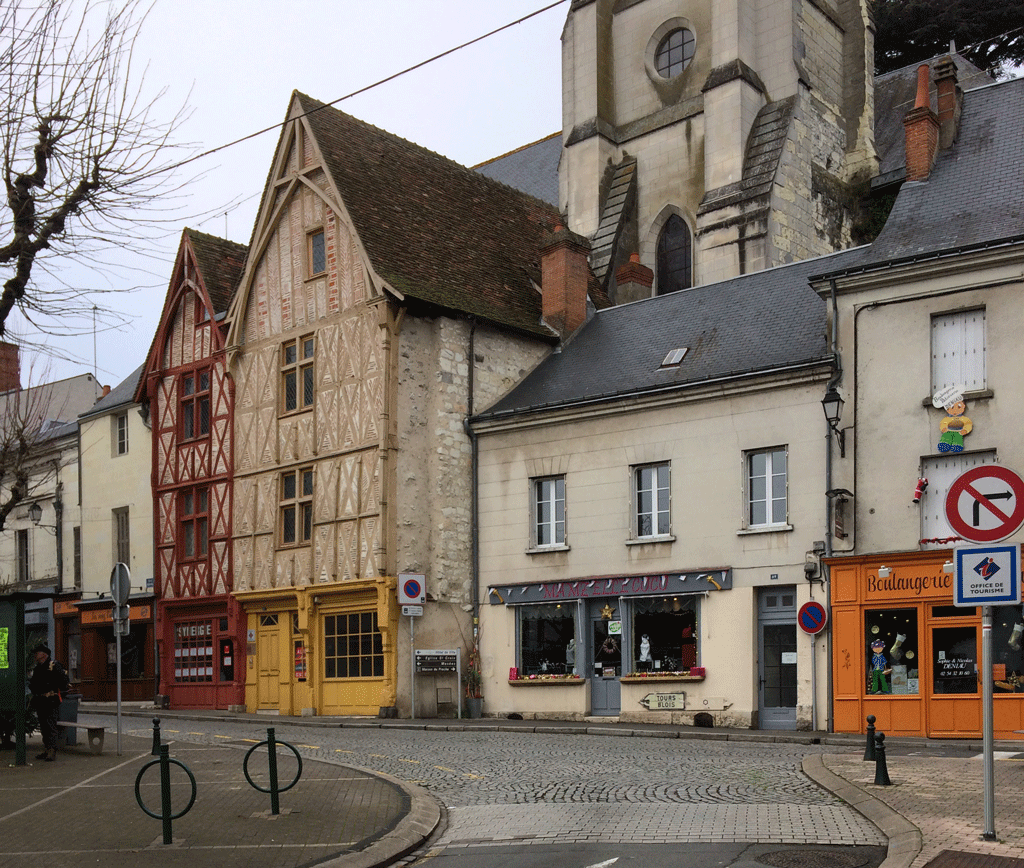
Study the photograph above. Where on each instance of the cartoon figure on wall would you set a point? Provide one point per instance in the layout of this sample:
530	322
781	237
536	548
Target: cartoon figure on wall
879	668
956	424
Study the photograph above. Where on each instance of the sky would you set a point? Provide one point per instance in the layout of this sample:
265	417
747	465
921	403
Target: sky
236	63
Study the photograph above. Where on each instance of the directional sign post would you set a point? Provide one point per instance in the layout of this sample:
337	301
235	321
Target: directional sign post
988	576
986	504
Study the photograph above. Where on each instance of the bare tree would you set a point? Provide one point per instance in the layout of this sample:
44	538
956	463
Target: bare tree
85	157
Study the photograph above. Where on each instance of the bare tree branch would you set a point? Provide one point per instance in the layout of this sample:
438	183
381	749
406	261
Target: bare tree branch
85	160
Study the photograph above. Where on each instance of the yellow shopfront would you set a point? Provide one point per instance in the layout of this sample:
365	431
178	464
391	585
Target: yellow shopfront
326	649
903	652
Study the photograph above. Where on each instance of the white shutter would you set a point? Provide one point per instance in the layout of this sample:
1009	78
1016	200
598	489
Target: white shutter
958	350
941	473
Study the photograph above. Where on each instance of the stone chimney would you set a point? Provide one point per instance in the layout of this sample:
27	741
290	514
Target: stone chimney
565	273
921	127
633	281
951	98
10	368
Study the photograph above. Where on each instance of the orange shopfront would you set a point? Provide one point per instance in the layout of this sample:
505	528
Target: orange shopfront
922	677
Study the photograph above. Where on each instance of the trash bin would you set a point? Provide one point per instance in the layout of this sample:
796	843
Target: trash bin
68	713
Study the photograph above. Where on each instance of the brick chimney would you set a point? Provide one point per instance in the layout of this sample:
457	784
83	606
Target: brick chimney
10	368
565	272
950	100
921	127
633	281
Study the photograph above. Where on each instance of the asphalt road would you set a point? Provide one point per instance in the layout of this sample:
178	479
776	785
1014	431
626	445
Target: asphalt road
587	800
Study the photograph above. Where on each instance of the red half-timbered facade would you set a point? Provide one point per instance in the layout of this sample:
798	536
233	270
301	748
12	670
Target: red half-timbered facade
200	633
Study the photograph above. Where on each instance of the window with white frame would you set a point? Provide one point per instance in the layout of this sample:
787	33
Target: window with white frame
958	350
766	487
120	434
549	511
941	472
652	500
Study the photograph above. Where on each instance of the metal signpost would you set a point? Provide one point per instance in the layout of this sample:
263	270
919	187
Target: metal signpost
986	505
412	593
120	588
812	619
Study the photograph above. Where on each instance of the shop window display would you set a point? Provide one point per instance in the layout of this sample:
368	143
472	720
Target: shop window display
891	643
1008	650
664	634
547	640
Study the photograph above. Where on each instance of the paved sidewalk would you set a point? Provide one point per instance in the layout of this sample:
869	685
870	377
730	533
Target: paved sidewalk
82	810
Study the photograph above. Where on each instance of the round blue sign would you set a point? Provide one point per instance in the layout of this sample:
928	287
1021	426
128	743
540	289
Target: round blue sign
411	588
812	618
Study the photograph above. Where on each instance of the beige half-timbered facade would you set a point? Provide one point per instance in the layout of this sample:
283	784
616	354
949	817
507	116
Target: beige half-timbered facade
387	292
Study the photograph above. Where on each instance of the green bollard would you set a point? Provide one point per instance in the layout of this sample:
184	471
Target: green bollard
275	801
156	737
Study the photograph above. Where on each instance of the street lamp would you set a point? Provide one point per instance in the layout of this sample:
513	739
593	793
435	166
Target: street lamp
35	512
832	404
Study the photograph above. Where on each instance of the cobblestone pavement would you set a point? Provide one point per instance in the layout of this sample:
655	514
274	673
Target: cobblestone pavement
503	787
943	796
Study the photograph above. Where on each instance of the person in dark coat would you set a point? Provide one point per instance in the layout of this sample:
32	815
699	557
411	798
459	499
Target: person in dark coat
48	682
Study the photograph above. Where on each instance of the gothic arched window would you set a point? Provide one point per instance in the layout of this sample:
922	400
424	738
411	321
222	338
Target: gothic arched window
675	256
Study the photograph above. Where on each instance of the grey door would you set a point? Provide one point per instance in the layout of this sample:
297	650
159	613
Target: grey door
777	658
605	660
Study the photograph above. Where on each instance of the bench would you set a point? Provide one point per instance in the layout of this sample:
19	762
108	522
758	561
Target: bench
94	733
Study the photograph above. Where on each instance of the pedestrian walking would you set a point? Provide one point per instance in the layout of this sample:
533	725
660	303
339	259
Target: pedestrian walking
48	684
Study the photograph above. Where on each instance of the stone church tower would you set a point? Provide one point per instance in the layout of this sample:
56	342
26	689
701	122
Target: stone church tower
714	137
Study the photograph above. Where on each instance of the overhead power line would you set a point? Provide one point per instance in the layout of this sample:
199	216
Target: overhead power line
406	71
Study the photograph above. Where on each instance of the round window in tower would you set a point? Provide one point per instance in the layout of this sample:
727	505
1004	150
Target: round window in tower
674	53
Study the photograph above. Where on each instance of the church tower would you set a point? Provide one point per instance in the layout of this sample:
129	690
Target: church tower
714	137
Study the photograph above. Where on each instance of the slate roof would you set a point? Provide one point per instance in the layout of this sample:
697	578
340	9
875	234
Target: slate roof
436	231
975	192
752	324
221	263
533	168
123	393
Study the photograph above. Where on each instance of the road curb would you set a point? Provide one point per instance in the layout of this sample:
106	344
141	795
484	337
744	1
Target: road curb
905	839
410	833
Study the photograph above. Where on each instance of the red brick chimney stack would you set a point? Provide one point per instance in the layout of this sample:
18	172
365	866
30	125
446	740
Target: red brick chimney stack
565	273
921	127
633	280
10	368
950	100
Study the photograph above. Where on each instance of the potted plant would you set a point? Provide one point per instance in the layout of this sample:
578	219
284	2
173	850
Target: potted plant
472	682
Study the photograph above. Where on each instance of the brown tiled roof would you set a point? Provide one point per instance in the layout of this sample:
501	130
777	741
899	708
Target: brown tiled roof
221	263
436	231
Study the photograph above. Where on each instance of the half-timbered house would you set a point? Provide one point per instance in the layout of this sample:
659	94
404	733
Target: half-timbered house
388	291
189	397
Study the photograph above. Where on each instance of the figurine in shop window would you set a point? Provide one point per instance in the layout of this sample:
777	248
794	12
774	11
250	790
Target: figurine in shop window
879	668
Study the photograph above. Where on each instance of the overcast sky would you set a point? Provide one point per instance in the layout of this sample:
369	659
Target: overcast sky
236	63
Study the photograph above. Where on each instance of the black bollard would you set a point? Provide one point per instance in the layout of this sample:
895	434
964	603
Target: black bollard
881	769
275	798
156	737
869	749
